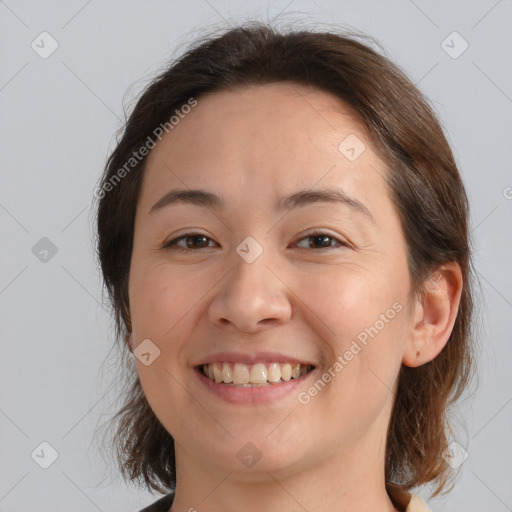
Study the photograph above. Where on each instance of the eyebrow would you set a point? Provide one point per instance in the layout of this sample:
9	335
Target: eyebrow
298	199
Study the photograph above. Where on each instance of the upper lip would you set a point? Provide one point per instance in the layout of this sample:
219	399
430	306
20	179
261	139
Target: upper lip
253	358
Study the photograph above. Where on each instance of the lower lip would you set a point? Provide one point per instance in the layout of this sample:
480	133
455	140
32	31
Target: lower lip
252	395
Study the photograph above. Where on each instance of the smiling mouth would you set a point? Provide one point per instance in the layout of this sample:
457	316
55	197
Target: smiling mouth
253	375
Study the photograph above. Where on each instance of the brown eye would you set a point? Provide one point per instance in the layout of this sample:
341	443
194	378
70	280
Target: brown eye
319	240
189	241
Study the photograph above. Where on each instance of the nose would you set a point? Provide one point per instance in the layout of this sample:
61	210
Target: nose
253	297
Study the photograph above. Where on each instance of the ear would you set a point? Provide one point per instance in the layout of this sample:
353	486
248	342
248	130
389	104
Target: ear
434	313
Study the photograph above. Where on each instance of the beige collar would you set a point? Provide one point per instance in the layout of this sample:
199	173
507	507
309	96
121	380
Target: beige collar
404	501
417	505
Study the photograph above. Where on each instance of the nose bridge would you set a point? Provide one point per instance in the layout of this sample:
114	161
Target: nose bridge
252	296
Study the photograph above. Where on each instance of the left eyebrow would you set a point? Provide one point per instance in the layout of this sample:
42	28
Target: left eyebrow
325	195
298	199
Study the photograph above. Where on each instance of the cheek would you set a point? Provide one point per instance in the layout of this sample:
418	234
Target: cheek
345	303
367	323
160	298
361	317
163	301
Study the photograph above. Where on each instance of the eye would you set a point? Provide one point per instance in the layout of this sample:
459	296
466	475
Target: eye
321	239
191	241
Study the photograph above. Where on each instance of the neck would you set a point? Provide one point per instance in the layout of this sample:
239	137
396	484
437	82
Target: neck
350	483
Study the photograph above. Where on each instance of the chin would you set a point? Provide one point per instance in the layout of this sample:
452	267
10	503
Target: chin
252	461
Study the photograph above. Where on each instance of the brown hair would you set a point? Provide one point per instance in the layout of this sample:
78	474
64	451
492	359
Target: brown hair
424	183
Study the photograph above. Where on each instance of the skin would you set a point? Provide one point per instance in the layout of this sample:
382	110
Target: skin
251	146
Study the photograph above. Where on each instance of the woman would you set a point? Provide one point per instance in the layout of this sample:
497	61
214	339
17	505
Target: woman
283	235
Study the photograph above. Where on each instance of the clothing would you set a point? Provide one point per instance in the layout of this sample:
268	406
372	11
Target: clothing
161	505
416	504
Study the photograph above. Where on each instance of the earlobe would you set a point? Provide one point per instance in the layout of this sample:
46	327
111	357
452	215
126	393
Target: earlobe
435	311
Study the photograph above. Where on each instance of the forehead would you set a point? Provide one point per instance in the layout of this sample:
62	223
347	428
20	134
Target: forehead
266	139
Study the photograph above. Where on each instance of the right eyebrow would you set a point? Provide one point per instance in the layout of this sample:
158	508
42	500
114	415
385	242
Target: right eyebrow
196	197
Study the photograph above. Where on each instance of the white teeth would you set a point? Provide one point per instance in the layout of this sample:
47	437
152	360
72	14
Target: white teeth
216	373
274	372
286	371
227	376
241	374
258	374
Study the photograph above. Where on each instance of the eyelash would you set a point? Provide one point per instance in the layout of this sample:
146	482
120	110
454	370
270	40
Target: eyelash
172	243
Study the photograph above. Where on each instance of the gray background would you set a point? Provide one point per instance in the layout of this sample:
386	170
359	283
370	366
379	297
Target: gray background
58	118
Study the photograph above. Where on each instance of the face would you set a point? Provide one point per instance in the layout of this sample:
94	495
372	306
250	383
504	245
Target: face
298	274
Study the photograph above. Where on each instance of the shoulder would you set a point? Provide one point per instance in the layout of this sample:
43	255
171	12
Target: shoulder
161	505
